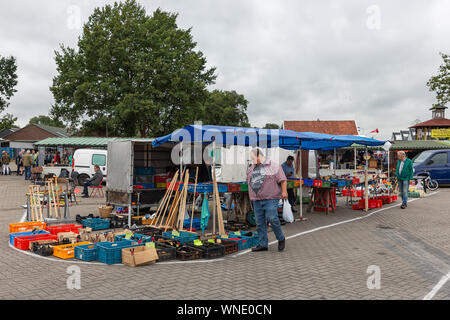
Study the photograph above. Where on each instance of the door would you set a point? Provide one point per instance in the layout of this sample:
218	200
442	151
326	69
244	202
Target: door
120	166
438	167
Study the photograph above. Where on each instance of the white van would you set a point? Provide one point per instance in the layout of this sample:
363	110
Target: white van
84	161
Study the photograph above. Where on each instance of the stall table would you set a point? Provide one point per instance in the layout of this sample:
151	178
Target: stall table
323	199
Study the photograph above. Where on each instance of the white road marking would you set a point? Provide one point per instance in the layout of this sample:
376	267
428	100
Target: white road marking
437	287
214	260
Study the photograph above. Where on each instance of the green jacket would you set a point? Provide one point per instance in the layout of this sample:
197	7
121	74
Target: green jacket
407	171
27	160
6	159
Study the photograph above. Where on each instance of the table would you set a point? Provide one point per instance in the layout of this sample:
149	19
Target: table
323	198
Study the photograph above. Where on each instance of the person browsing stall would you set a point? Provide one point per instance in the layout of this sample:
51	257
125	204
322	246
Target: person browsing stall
289	171
94	181
267	184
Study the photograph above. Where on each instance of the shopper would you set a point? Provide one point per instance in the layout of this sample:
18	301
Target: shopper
19	162
57	159
289	171
404	174
27	163
94	181
5	163
35	155
267	185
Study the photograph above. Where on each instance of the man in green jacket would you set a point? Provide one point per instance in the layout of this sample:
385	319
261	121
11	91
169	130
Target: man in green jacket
27	163
404	173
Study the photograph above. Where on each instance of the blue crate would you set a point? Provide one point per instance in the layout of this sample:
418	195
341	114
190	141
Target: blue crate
254	236
139	238
196	223
183	237
243	242
111	252
308	182
96	223
24	234
339	183
145	171
87	252
201	187
146	185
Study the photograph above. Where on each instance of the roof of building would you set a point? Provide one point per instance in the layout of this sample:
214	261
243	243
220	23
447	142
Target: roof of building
341	127
5	132
84	141
60	132
443	122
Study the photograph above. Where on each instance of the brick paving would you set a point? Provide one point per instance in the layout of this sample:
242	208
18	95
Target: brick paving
411	248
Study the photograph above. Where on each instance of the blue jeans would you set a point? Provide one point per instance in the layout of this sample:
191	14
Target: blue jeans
85	186
266	210
27	172
404	189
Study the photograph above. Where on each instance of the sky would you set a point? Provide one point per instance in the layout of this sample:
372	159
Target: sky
360	60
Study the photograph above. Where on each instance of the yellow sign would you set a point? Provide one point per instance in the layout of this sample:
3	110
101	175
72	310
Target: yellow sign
440	133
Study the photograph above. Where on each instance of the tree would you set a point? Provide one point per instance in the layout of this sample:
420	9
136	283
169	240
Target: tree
45	120
225	108
441	83
271	126
8	80
140	72
7	122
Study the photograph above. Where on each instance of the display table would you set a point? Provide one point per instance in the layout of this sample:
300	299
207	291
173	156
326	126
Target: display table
323	199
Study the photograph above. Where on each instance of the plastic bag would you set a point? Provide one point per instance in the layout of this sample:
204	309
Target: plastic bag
287	212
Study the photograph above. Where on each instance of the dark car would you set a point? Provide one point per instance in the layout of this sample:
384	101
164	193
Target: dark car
436	163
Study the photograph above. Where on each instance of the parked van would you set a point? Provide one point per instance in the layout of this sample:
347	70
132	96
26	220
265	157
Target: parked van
84	161
434	162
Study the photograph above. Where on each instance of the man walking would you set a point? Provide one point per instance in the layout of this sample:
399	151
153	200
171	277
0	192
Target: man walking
94	181
267	185
27	164
5	163
289	171
404	173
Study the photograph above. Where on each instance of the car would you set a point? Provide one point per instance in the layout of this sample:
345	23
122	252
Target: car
434	162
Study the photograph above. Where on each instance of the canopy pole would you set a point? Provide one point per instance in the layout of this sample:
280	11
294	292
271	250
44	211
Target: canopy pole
335	161
300	187
389	170
354	159
213	174
366	184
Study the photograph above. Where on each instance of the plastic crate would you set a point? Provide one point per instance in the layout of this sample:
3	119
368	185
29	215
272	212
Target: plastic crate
230	247
326	184
139	238
111	252
317	183
165	252
253	235
96	223
79	218
182	238
355	181
234	187
186	253
26	226
210	250
67	251
23	243
231	225
161	178
373	203
308	182
87	252
244	187
290	184
146	185
243	242
63	228
44	249
24	234
145	171
161	185
196	223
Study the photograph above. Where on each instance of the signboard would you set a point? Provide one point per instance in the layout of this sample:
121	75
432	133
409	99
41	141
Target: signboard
440	133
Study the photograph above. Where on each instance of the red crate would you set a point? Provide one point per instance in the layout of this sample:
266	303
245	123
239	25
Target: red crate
355	181
373	203
23	243
161	178
63	228
234	187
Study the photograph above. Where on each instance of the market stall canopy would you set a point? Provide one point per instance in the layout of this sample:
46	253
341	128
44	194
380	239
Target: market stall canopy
266	138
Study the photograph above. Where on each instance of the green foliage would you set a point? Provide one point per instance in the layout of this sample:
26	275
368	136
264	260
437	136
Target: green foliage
7	122
441	83
225	108
45	120
140	72
8	80
271	126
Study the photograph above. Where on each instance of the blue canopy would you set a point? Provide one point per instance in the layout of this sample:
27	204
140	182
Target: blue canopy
265	138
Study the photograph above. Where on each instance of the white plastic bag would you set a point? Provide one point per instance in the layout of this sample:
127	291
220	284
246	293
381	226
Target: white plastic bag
287	212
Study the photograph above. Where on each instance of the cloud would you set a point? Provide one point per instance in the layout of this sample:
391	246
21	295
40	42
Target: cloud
291	59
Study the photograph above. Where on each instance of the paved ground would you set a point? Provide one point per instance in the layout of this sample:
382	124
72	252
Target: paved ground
411	248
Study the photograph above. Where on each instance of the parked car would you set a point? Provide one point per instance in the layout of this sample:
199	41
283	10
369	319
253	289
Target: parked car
84	161
434	162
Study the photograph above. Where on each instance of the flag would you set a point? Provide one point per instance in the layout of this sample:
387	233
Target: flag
375	131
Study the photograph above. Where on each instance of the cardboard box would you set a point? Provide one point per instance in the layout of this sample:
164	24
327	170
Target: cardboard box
105	211
139	256
72	236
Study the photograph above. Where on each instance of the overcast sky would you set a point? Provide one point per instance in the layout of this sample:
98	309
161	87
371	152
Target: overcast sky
367	61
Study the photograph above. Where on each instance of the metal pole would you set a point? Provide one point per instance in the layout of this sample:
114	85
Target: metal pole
300	187
354	160
335	161
389	170
213	174
366	184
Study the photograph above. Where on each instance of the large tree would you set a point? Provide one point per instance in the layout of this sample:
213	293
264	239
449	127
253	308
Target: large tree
7	122
271	126
226	108
441	82
8	80
46	120
140	72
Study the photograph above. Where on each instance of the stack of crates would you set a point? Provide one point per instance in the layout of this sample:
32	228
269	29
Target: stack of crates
111	252
96	223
